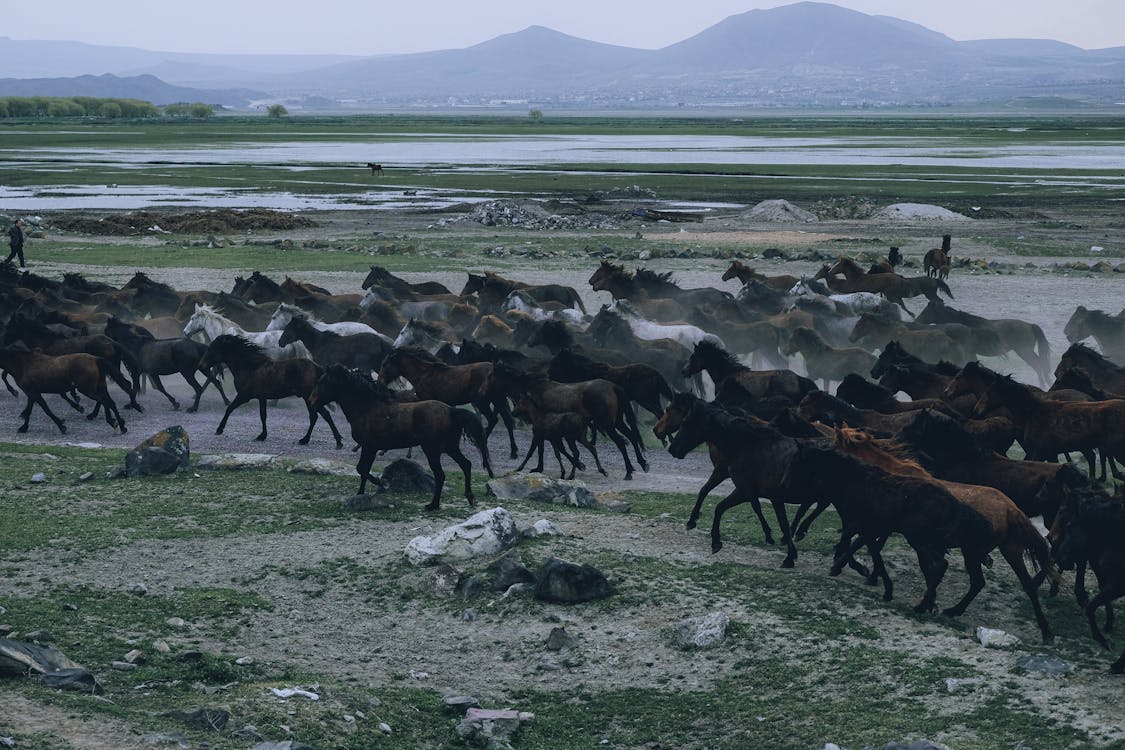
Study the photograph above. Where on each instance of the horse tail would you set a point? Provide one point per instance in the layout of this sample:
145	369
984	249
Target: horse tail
108	369
1042	345
1035	548
578	300
942	286
471	428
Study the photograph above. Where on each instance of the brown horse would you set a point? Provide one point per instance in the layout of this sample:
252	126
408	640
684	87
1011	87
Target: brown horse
492	289
875	331
256	376
744	273
887	265
375	168
892	286
454	384
720	365
1106	375
1049	428
1010	529
644	284
380	423
37	373
379	276
557	428
937	261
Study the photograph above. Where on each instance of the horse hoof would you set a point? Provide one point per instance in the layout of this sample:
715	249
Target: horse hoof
176	406
24	429
90	417
432	507
302	441
887	596
472	501
769	539
1048	638
628	476
514	455
123	430
950	612
690	525
787	563
716	547
192	409
339	444
261	438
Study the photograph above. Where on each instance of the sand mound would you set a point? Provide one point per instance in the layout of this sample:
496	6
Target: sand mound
780	210
915	211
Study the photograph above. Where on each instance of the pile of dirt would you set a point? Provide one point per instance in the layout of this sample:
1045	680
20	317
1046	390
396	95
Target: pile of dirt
916	211
780	210
221	221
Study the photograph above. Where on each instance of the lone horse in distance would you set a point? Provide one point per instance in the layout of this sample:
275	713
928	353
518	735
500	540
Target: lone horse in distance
375	168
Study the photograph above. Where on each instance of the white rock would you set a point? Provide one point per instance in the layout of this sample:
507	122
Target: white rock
486	533
991	638
543	527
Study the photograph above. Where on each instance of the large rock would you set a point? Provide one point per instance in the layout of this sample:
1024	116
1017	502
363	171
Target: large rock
163	453
491	728
569	583
405	477
702	632
487	533
543	489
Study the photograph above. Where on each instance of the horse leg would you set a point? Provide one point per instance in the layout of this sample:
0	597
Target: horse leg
1014	555
8	385
803	527
462	460
718	474
314	414
592	446
933	565
72	400
976	582
786	533
509	424
575	459
433	457
363	468
262	415
557	447
536	441
160	387
611	432
1104	597
728	502
239	400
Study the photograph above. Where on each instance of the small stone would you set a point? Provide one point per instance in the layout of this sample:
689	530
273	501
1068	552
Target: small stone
138	589
244	661
468	615
41	635
384	727
175	622
70	607
558	639
136	656
86	476
459	703
38	478
123	666
1051	666
161	647
349	718
992	638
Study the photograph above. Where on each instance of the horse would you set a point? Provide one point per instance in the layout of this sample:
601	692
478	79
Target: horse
37	373
1025	339
823	361
1051	427
642	383
1108	330
821	406
379	276
620	345
686	334
379	423
876	330
744	273
454	384
891	285
362	351
286	312
1009	528
493	289
604	404
375	168
425	334
1106	375
937	261
644	284
863	394
1093	531
258	376
949	451
157	357
721	364
557	427
212	324
521	300
887	265
435	309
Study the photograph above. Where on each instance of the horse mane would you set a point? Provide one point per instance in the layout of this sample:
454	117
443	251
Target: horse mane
419	354
141	279
741	426
1079	349
297	312
362	381
242	347
258	276
654	280
712	350
802	333
853	438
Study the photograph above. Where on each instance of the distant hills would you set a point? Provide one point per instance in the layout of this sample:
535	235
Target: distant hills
808	54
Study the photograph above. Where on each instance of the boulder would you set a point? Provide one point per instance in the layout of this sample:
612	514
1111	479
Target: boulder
492	728
509	570
163	453
236	461
543	489
406	477
487	533
1045	664
706	631
568	583
322	467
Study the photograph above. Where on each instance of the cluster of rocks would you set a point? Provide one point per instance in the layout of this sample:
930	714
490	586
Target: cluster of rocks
527	214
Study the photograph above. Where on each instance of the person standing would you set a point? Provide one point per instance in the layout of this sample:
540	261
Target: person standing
15	241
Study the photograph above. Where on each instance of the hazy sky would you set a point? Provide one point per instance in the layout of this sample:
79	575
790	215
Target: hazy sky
369	27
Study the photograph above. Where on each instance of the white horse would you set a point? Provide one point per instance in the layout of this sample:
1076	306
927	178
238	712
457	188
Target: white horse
421	309
212	324
855	303
285	312
520	301
421	334
643	328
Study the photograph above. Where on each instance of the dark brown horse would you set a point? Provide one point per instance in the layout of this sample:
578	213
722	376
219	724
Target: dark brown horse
887	265
454	384
492	289
37	373
643	383
744	273
256	376
894	287
381	423
365	351
560	429
379	276
645	284
720	365
1106	375
375	168
937	261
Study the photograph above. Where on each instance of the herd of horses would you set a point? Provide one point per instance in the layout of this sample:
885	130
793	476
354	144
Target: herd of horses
913	439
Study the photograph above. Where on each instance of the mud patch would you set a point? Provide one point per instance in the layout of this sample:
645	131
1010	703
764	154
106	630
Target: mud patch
221	221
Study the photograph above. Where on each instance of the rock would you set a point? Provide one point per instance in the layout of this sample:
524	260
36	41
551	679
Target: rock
917	211
161	647
204	717
486	533
38	478
568	583
138	589
122	666
559	639
542	527
42	635
405	477
233	461
244	661
283	745
1045	664
542	488
175	622
445	580
702	632
322	467
958	684
86	476
136	656
508	571
72	679
163	453
990	638
156	739
384	727
491	727
459	703
614	504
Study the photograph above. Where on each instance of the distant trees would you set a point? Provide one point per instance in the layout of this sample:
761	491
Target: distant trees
535	115
277	110
183	109
75	106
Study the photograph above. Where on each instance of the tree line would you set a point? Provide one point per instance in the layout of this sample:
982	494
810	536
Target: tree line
90	106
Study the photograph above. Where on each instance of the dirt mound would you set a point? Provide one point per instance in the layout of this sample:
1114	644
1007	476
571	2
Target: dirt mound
780	210
915	211
221	221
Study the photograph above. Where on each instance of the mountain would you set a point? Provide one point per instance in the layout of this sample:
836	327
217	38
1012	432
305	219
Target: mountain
808	54
145	88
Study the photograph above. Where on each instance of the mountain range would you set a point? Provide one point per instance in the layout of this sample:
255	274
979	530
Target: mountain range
808	54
